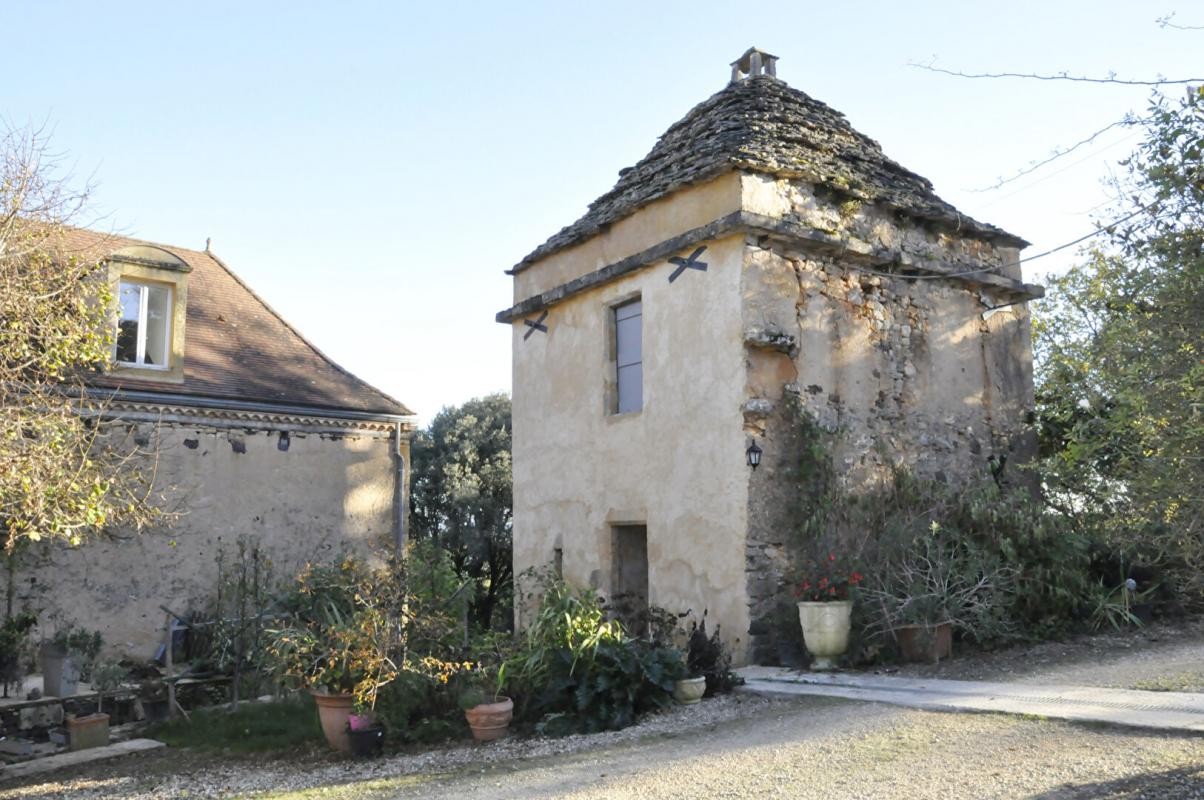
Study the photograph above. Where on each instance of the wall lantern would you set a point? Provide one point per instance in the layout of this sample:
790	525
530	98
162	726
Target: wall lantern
754	455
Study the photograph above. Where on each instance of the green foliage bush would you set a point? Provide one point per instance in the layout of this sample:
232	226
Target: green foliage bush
576	670
989	558
14	647
708	657
354	628
461	500
1118	345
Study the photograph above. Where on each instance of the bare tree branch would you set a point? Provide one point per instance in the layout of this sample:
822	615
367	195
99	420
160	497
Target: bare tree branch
1128	119
1165	22
1061	76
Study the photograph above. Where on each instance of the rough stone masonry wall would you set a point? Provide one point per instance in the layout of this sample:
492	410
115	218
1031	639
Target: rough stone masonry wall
902	373
308	497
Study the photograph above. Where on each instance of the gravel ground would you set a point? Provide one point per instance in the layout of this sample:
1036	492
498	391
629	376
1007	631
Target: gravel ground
743	746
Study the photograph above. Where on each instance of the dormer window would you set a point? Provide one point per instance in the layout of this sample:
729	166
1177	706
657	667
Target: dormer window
144	327
151	287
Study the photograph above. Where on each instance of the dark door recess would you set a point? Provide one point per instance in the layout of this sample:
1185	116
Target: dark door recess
629	577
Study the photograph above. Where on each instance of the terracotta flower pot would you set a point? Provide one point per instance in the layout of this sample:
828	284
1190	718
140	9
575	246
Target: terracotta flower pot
333	712
490	721
929	643
825	630
689	691
88	731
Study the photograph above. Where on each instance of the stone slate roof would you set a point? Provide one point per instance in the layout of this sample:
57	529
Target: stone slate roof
761	125
236	347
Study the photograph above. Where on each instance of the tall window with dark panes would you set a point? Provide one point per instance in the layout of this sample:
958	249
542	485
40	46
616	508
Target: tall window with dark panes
629	358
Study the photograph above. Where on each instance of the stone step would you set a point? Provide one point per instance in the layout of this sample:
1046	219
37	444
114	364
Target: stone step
74	758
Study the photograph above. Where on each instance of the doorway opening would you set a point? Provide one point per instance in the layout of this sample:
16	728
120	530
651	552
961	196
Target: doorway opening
629	576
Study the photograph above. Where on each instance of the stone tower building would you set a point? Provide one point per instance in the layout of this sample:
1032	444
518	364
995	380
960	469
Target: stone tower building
764	258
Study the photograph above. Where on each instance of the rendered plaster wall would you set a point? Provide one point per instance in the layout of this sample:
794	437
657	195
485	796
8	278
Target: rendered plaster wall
903	373
654	223
676	466
324	494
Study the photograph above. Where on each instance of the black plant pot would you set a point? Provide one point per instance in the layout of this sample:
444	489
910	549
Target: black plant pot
367	742
1143	612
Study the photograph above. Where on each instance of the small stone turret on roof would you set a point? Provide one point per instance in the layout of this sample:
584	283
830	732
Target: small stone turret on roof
754	62
759	124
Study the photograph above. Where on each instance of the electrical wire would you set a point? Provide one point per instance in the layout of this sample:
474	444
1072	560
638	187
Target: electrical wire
1025	260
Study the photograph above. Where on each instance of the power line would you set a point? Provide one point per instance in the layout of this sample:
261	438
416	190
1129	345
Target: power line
1059	152
1025	260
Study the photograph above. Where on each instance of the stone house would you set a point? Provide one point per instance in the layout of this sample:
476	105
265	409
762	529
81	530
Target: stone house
764	260
250	432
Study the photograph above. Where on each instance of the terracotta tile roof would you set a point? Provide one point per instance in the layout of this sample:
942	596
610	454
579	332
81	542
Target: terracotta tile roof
236	347
764	126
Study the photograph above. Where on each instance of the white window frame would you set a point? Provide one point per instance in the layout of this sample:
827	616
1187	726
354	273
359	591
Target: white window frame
140	347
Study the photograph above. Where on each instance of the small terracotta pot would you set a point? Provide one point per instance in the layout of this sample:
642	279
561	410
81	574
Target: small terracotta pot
920	643
689	691
490	721
333	711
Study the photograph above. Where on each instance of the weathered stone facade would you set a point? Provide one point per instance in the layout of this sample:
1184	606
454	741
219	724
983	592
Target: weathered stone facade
838	287
907	372
298	490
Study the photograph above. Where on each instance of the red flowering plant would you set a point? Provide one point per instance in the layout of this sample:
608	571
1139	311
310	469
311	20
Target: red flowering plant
826	579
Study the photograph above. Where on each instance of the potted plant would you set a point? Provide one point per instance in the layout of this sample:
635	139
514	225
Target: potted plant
92	730
339	644
486	709
825	609
67	659
922	591
708	665
923	629
364	733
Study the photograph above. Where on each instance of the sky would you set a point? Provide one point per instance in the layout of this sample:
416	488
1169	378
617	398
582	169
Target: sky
370	169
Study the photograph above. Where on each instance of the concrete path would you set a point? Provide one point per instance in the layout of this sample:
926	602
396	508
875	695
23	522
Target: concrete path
76	757
1166	711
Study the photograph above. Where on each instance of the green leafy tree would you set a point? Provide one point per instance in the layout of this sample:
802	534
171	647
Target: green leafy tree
462	499
1120	360
64	473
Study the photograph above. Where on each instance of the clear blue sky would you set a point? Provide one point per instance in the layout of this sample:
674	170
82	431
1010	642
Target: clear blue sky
371	168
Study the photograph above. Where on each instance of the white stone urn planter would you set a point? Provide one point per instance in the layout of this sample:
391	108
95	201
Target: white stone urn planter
689	691
825	630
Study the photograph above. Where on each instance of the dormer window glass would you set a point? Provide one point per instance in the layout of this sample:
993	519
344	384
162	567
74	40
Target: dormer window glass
144	327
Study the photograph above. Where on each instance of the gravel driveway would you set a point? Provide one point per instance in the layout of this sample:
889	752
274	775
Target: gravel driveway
753	747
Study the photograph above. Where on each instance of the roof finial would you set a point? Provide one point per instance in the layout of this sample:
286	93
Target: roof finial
754	62
207	241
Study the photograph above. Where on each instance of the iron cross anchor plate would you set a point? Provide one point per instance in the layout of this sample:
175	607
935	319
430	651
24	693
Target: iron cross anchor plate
691	262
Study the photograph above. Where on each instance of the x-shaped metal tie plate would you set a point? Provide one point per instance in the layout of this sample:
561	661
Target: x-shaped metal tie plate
691	262
536	325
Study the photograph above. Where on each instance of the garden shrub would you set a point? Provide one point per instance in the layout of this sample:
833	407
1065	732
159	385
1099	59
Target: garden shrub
420	704
708	657
1016	572
576	670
